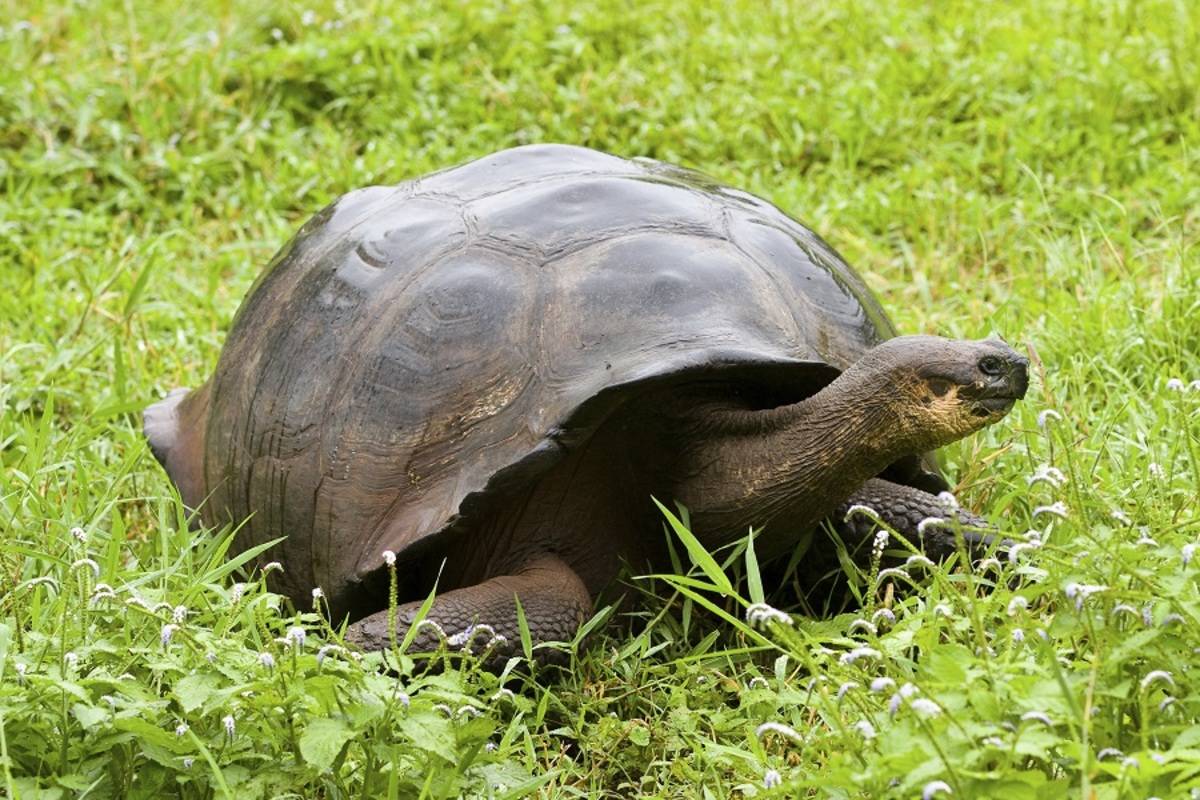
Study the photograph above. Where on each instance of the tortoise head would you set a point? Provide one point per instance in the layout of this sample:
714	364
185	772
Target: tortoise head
943	389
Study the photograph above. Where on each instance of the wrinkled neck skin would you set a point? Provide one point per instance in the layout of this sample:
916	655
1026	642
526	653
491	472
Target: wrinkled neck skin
782	470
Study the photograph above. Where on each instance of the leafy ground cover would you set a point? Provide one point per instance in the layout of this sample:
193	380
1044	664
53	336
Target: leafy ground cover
1026	169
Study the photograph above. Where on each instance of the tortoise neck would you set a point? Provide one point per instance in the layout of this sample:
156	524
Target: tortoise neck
784	469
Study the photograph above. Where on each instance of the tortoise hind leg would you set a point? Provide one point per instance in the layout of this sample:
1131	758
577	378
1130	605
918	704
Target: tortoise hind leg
174	428
484	616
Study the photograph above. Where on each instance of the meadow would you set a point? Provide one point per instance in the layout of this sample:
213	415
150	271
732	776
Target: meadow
1026	169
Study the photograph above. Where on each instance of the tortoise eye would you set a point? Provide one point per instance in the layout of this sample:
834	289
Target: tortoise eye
991	365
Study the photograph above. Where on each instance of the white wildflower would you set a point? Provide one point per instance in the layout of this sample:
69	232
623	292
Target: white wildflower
21	670
1017	604
1147	615
89	563
468	711
1038	716
1176	385
1018	635
779	728
917	560
865	511
308	18
859	652
948	500
491	747
1171	619
862	624
984	564
317	594
297	635
1080	592
403	699
1109	752
272	566
167	632
1156	470
926	707
1047	416
934	788
759	615
1048	474
943	610
882	685
389	558
1194	386
267	660
771	779
1058	509
181	729
929	522
1186	553
884	614
894	704
1120	516
845	687
179	614
757	682
865	729
893	572
235	593
1124	608
324	651
908	690
503	694
877	547
1166	703
80	534
1131	763
1014	552
993	741
230	725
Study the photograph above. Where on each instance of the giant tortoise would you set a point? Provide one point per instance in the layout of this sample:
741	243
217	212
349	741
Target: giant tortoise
482	377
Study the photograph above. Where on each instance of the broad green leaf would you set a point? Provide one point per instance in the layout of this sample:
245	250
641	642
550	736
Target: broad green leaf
322	740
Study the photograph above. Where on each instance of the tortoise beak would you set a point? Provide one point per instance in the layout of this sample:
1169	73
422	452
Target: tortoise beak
1003	379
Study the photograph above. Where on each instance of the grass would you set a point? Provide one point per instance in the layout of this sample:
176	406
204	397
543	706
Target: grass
1026	169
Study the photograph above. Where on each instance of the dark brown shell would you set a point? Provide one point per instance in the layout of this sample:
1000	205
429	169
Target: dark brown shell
416	346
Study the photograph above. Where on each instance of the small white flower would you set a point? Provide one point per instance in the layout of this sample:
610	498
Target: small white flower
908	690
934	788
917	560
317	594
771	779
1014	552
503	694
389	558
1109	752
308	18
89	563
1018	635
80	534
759	615
1080	592
1186	553
438	631
1166	703
865	511
236	592
929	522
757	682
993	741
230	725
1058	509
1157	675
179	614
1145	540
181	729
948	500
845	687
167	632
862	624
877	547
942	610
894	704
1171	619
882	685
1131	763
884	614
210	657
859	652
187	762
267	660
926	707
1120	516
1124	608
1147	615
272	566
325	650
1176	385
1047	416
404	699
984	564
296	635
468	711
1156	470
780	728
865	729
1194	386
1017	604
1038	716
21	669
893	572
1048	474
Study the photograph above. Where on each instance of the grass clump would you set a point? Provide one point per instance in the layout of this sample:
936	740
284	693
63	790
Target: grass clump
1027	170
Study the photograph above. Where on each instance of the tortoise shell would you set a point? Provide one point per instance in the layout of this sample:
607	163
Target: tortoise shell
417	350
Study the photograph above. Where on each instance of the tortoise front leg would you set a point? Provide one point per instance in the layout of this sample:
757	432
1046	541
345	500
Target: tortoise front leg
903	509
483	617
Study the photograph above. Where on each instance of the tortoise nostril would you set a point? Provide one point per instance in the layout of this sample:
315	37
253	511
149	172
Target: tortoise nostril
991	366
